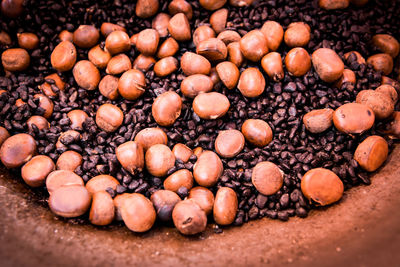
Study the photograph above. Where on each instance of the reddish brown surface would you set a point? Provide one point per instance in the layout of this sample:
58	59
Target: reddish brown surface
362	230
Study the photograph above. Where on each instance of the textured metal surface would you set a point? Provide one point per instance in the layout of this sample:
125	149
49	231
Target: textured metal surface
362	230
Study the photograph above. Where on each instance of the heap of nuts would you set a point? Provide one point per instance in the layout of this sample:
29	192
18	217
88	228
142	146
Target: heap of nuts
218	56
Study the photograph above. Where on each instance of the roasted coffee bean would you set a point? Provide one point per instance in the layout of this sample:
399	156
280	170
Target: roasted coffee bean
208	169
57	179
138	213
131	156
358	57
117	42
28	40
203	197
109	117
189	218
218	20
17	150
70	201
168	48
353	118
195	84
86	36
180	6
298	61
36	170
167	108
160	24
322	186
118	64
166	66
225	206
192	63
132	84
159	159
318	120
228	73
267	178
86	74
273	32
297	34
179	28
102	211
229	143
327	64
15	59
251	83
151	136
164	202
146	8
254	45
272	65
381	104
211	106
101	183
257	132
371	153
182	152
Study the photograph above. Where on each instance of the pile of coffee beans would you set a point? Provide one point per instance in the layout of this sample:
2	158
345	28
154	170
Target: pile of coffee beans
191	112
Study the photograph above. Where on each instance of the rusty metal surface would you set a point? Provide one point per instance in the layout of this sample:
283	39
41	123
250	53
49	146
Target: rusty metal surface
362	230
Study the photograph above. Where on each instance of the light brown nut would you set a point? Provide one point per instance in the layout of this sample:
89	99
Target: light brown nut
211	106
353	118
101	183
298	61
234	54
151	136
272	65
318	120
381	104
160	24
192	63
180	6
28	40
40	122
17	150
166	108
143	63
99	57
202	33
166	66
267	178
86	75
381	62
203	197
164	202
179	28
189	218
107	28
371	153
102	211
59	178
297	34
240	3
66	36
47	88
208	169
5	38
358	57
251	83
257	132
218	20
212	4
180	178
118	64
70	201
229	143
132	84
86	36
322	186
273	32
348	77
147	42
131	156
228	73
213	49
168	48
69	161
228	37
138	213
159	159
15	59
387	44
109	117
108	87
254	45
118	200
225	206
77	118
117	42
195	84
146	8
389	91
4	134
327	64
182	152
35	171
333	4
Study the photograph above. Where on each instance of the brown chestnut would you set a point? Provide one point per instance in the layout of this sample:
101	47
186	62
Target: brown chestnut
40	123
166	66
28	40
371	153
17	149
208	169
179	27
151	136
109	117
160	24
180	178
180	6
118	64
212	4
192	63
108	87
159	159
234	54
327	64
381	62
257	132
77	118
102	211
229	143
132	84
273	32
107	28
218	20
164	202
353	118
166	108
168	48
203	197
57	179
189	218
69	161
272	65
381	104
211	106
147	42
101	183
297	34
387	44
202	33
118	42
267	178
143	63
36	170
195	84
86	75
66	36
251	82
254	45
298	61
333	4
15	59
182	152
318	120
99	57
131	156
138	213
146	8
70	201
225	206
86	36
229	36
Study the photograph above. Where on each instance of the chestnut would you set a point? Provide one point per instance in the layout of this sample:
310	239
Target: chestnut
118	64
195	84
28	40
17	150
372	153
109	117
57	179
108	87
101	183
213	49
182	152
146	8
69	161
327	64
77	118
36	170
131	156
86	36
40	123
132	84
381	104
211	106
99	57
107	28
159	159
273	32
166	66
297	34
254	45
168	48
180	6
180	178
381	62
179	27
234	54
189	218
143	63
267	178
192	63
318	120
160	24
333	4
298	61
212	4
15	59
257	132
229	143
102	211
225	206
138	213
228	37
117	42
218	20
353	118
86	74
387	44
151	136
70	201
202	33
251	82
203	197
147	42
164	202
272	65
208	169
166	108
